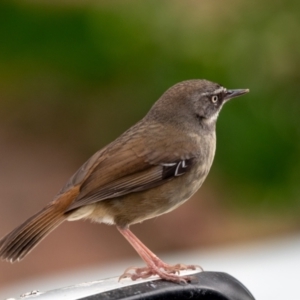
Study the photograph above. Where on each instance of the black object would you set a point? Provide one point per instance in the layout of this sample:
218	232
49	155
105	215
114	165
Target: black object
205	286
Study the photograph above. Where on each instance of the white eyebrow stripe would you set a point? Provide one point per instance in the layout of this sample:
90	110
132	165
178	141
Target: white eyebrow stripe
217	91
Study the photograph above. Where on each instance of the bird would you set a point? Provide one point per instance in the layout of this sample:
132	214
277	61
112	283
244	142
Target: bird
151	169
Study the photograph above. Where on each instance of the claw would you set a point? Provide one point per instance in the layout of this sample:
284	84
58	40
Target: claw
161	269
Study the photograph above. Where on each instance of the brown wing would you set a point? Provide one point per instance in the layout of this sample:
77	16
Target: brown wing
126	166
143	180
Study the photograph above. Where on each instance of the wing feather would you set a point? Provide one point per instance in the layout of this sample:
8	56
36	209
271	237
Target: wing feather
127	166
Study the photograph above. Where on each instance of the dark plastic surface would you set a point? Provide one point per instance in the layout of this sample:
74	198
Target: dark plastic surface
206	286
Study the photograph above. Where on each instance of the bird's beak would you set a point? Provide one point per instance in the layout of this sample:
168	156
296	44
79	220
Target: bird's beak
235	93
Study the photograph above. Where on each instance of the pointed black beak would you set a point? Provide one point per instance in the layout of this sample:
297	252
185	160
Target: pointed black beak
235	93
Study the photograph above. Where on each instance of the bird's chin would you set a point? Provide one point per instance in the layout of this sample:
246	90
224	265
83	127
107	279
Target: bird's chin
212	119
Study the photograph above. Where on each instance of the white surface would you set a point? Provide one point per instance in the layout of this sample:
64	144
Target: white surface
269	270
86	289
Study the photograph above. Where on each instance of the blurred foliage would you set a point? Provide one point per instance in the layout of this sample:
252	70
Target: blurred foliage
83	73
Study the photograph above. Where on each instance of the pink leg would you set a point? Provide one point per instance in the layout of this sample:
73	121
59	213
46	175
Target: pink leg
155	266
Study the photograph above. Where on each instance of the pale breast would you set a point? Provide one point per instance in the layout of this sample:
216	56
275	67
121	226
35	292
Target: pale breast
182	188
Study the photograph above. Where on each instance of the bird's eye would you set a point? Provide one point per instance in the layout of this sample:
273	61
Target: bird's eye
214	99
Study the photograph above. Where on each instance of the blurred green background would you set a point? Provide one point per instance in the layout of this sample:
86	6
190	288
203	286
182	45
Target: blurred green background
78	74
96	69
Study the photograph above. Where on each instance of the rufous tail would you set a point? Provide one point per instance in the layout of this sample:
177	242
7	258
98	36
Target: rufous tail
18	243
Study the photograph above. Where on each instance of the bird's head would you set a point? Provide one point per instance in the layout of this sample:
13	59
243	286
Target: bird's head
193	101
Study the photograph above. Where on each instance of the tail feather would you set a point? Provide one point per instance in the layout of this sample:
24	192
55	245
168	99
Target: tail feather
28	229
34	241
15	245
25	241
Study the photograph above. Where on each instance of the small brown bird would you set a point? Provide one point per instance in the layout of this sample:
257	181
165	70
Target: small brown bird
151	169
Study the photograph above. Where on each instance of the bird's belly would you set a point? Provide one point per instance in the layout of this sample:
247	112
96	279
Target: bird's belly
137	207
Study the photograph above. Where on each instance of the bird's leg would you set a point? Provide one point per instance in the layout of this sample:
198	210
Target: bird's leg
155	266
159	263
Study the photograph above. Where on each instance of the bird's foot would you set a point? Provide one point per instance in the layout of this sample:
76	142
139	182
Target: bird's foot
176	268
163	270
155	266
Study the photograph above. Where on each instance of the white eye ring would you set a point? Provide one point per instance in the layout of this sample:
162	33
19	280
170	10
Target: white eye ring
214	99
